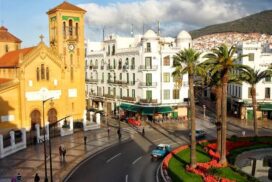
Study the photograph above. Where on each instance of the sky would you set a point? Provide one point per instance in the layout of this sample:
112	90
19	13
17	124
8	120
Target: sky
27	19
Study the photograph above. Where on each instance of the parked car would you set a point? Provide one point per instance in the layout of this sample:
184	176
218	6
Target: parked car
134	122
199	134
160	151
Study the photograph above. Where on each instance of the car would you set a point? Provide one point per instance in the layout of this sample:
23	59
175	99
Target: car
199	134
160	151
134	122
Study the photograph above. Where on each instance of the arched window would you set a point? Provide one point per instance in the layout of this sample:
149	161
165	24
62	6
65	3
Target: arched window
70	27
38	74
42	72
64	29
76	29
47	73
96	62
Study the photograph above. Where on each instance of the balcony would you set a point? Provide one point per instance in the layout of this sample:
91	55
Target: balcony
125	67
149	101
133	99
148	68
91	80
101	67
109	67
147	49
132	67
95	67
109	96
148	84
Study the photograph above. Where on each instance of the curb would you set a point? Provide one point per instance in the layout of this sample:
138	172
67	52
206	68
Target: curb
72	171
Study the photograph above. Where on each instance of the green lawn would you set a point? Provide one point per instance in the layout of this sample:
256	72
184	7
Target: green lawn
178	164
229	173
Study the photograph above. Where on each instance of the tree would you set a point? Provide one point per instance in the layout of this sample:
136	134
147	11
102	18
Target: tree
223	61
252	77
186	61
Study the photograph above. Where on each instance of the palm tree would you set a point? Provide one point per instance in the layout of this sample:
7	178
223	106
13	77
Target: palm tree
186	61
222	58
252	77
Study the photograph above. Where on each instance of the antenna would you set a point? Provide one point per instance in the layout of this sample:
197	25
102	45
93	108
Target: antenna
132	31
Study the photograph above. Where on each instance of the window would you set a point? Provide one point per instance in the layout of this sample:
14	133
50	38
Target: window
166	94
127	92
108	90
6	48
113	50
148	79
148	47
114	92
268	79
133	63
149	94
71	60
267	93
120	64
42	72
127	77
108	50
64	29
175	94
109	76
47	73
96	62
70	27
121	94
102	81
133	93
251	56
166	77
114	64
76	29
133	78
148	62
72	74
114	77
166	61
38	74
249	92
120	76
127	63
103	90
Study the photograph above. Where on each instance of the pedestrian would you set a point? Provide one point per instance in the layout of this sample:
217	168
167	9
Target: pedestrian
18	177
85	140
243	133
60	152
63	152
36	178
108	131
119	133
143	131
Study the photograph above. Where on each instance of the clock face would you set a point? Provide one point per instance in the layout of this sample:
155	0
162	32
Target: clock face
71	47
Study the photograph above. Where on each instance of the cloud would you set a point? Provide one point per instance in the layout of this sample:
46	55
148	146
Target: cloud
174	15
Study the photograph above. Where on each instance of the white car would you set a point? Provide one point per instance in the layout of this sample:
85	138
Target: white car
199	134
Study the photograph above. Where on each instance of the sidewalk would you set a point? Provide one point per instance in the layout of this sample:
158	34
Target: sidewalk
31	160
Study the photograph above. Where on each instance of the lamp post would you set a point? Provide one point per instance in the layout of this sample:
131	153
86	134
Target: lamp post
44	145
204	111
116	100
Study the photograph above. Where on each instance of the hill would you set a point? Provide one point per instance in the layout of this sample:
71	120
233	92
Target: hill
259	22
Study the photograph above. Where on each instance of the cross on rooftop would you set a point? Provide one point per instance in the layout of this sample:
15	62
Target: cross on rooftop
41	37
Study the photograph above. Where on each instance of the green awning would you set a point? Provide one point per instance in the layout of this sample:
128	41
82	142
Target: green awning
266	107
148	110
130	107
164	109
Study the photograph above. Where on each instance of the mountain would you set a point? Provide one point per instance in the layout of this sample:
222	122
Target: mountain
259	22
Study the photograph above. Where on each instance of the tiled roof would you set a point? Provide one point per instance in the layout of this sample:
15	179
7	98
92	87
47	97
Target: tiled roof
11	59
5	36
65	6
4	80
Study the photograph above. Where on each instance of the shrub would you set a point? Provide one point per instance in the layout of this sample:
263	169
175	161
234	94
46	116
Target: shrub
214	171
234	138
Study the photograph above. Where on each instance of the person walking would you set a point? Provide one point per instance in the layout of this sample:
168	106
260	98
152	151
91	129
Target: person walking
108	131
36	178
143	131
18	177
60	152
63	152
119	133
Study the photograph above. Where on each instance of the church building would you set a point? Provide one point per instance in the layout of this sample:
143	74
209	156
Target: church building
42	81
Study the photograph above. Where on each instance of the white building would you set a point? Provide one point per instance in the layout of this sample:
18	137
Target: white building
135	74
240	102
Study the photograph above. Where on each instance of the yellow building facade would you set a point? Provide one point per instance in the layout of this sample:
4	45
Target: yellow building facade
31	75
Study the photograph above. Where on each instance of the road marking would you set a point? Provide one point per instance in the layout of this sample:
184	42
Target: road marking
127	178
113	157
134	162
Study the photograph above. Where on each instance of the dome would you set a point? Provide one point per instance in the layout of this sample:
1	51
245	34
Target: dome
150	34
184	35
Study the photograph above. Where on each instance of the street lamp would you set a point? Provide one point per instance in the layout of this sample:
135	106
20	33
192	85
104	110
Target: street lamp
204	113
44	145
116	100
